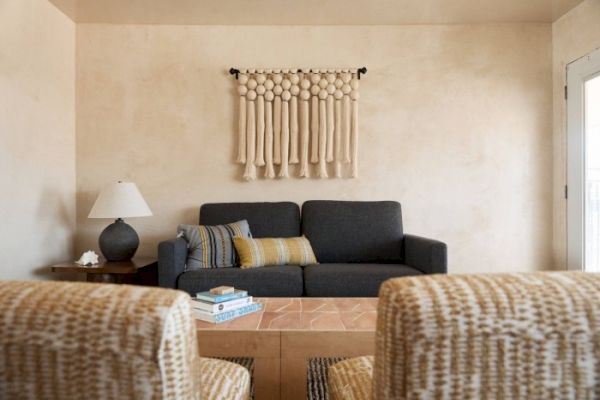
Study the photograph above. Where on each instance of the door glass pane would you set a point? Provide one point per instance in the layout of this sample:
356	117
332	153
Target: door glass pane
592	174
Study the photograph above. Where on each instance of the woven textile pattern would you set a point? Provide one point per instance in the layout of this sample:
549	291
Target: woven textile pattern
223	380
505	336
212	246
63	340
351	379
274	251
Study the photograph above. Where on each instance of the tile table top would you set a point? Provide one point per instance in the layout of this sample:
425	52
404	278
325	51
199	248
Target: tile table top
305	314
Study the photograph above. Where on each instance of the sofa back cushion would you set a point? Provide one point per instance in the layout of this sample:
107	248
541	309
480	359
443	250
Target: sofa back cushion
265	219
353	231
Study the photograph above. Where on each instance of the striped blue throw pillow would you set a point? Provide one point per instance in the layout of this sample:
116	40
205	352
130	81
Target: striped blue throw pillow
212	246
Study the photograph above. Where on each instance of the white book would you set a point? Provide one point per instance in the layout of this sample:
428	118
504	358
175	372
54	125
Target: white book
227	315
220	307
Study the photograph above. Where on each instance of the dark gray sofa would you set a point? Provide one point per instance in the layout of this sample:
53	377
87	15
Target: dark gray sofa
358	245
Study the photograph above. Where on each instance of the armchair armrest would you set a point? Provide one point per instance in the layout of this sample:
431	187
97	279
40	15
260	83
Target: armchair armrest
172	255
427	255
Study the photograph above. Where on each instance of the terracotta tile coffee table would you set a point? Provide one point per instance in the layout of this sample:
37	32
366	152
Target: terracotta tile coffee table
286	333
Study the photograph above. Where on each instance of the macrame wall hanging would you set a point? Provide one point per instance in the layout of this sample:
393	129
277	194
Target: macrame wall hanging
291	117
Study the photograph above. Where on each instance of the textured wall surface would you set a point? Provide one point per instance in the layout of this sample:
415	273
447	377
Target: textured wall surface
37	137
455	124
573	36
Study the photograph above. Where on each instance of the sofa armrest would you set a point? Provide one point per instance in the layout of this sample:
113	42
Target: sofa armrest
172	255
427	255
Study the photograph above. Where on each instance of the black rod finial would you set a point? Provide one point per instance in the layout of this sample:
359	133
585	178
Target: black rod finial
234	71
362	71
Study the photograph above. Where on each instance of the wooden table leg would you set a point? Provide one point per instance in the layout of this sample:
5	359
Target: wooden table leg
294	378
263	346
297	347
267	372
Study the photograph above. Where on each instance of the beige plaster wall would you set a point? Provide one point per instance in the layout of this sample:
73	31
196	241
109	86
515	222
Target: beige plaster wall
37	137
455	124
573	36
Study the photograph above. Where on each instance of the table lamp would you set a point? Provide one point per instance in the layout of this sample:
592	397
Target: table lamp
119	241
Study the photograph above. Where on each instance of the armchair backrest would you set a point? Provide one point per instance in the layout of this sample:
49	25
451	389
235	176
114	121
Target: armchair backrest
517	336
62	340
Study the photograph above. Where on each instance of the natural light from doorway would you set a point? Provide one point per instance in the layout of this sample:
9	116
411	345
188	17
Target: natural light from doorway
592	175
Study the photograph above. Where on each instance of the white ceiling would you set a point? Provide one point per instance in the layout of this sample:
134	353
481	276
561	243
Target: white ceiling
313	12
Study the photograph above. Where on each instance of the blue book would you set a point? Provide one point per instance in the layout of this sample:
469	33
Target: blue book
227	315
219	298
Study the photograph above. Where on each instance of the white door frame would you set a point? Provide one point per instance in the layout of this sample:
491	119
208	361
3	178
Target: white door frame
578	72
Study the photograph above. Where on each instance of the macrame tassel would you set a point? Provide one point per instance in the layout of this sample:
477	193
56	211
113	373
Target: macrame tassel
314	128
277	130
330	115
346	115
304	129
346	123
285	135
330	128
354	173
260	129
322	172
250	172
354	96
294	129
295	92
314	117
269	170
338	134
241	157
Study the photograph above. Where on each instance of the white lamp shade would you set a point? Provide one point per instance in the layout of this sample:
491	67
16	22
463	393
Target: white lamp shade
120	200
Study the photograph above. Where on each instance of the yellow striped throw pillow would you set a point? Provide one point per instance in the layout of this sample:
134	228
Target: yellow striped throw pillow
274	251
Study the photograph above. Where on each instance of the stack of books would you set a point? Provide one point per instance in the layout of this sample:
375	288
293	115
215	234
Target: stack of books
223	303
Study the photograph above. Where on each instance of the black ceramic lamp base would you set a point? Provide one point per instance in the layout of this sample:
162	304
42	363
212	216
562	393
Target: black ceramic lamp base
119	241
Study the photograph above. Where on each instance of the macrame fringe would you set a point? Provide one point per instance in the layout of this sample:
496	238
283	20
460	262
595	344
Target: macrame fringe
260	131
250	172
285	138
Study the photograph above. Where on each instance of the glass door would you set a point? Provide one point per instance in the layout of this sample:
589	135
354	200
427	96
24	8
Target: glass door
583	163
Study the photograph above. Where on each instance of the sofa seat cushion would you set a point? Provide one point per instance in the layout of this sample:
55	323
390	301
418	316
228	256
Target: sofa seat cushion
270	281
351	280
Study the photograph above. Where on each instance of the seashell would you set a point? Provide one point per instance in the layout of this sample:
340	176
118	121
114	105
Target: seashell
88	258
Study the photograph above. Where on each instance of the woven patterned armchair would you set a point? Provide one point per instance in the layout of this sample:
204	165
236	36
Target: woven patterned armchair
63	340
509	336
